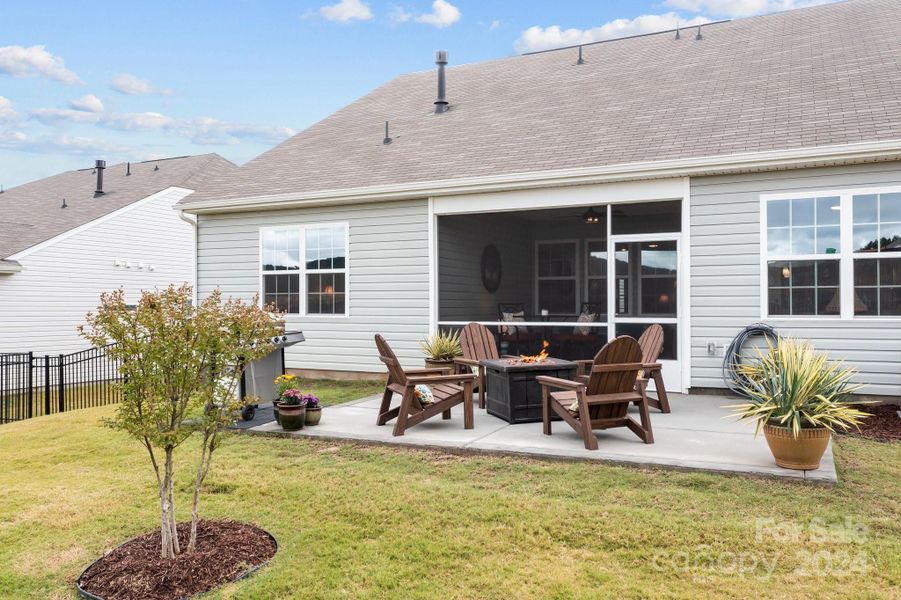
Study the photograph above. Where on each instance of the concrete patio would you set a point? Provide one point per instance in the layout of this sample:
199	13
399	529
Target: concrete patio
694	436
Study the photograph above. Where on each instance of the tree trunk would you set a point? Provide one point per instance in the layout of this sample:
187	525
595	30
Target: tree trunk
167	549
206	455
175	545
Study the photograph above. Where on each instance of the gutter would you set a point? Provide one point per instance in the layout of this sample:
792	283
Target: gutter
192	221
8	267
708	165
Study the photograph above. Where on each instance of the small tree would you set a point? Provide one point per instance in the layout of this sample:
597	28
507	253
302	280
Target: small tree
180	366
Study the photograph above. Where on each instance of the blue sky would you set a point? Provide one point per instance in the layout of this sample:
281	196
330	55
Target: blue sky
134	81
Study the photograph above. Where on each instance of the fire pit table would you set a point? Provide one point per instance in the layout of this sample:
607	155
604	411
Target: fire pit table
513	394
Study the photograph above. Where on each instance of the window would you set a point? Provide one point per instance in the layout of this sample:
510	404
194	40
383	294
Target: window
834	254
326	270
803	251
322	275
556	277
877	254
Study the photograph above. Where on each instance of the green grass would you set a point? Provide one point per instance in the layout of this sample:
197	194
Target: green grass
332	392
381	522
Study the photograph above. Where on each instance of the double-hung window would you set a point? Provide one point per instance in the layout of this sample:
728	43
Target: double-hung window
803	252
877	254
315	286
834	254
556	277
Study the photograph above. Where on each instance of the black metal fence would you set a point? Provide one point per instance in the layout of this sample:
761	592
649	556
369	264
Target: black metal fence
34	385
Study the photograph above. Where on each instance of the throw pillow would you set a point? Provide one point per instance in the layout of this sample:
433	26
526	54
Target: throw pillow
424	394
585	317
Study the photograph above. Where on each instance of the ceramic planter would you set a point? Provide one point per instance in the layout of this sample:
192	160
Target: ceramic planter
803	452
275	404
447	365
313	416
292	417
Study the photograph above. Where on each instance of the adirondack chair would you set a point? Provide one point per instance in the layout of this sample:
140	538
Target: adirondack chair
448	391
651	342
478	344
603	401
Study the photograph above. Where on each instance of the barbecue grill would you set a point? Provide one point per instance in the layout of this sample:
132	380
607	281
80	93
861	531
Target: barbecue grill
259	376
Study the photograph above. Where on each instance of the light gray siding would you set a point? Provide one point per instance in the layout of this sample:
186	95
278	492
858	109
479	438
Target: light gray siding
388	279
725	274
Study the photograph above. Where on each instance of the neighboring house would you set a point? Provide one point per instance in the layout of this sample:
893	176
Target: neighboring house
746	171
62	244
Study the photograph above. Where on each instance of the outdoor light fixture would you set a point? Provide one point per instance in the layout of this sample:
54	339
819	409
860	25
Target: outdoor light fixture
590	217
786	272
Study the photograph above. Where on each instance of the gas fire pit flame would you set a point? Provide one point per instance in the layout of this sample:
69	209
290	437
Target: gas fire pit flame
536	358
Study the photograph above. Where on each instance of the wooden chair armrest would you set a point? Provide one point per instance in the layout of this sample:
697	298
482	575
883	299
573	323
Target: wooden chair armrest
469	362
652	366
616	368
459	377
556	382
586	362
433	371
610	398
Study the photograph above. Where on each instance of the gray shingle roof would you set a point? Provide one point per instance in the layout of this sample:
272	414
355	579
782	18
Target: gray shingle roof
810	77
31	212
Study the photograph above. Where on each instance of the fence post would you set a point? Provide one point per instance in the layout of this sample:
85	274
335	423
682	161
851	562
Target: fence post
61	383
30	382
46	384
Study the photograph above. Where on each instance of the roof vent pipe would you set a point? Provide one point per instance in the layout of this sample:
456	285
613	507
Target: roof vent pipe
441	102
99	166
699	36
128	169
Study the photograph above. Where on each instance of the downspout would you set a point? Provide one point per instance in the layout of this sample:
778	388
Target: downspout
193	222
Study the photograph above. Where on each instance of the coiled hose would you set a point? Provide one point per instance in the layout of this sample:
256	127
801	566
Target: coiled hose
733	357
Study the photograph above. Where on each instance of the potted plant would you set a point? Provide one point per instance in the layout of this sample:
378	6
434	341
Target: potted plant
314	410
798	398
283	383
440	349
292	409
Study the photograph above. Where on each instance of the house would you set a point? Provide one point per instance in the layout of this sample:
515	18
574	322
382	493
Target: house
738	172
69	237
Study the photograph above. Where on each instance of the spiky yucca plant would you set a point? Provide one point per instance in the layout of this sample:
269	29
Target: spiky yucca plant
792	385
442	345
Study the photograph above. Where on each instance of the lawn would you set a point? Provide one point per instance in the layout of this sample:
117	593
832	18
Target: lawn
331	391
383	522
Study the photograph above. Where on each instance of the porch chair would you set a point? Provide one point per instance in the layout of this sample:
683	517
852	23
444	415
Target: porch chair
447	390
478	344
603	401
651	342
512	332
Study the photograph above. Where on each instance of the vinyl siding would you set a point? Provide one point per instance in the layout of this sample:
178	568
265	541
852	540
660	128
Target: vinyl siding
388	280
43	305
725	275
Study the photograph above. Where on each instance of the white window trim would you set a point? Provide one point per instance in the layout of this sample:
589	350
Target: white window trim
845	256
575	276
303	271
586	256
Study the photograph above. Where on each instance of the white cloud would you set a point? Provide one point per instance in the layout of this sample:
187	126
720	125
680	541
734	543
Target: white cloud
346	11
132	85
53	116
209	131
89	103
58	144
399	15
35	61
147	121
494	25
444	14
741	8
544	38
8	114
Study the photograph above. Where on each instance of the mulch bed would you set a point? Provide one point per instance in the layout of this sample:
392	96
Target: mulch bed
225	551
884	425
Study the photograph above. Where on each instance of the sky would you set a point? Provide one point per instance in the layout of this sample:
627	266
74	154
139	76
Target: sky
132	81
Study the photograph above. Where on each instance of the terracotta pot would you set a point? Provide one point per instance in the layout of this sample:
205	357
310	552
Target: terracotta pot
292	417
313	416
803	452
447	365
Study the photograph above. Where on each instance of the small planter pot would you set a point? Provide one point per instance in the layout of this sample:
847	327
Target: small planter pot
447	365
313	416
275	404
801	453
292	417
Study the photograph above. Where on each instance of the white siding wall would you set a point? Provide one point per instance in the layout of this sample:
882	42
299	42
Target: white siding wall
42	306
388	279
725	274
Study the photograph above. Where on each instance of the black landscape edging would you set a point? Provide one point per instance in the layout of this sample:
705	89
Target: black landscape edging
89	596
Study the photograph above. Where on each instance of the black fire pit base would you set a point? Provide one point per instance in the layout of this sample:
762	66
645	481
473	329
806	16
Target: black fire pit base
513	393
